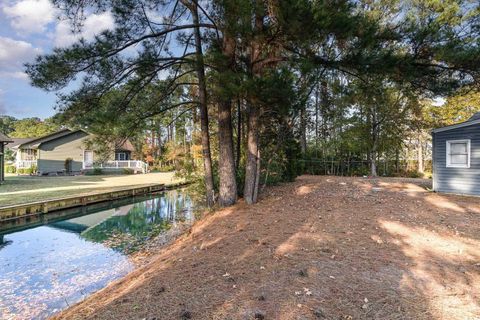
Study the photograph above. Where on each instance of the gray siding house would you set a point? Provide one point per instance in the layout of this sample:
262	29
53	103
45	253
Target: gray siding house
49	154
3	141
456	157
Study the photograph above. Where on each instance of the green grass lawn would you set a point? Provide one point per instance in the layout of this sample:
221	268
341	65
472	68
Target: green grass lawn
23	189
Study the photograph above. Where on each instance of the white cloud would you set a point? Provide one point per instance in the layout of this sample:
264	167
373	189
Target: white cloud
14	74
13	54
30	16
3	108
93	25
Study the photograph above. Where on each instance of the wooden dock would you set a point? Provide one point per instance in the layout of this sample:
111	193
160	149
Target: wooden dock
43	207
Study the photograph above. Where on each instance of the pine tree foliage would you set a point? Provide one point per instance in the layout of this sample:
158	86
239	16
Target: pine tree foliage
281	81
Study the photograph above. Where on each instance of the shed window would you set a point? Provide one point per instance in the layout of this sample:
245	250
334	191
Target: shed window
458	153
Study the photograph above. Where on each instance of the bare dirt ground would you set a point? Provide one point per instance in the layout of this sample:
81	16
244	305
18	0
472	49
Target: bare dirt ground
318	248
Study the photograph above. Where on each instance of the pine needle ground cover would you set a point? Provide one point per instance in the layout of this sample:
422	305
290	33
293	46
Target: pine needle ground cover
318	248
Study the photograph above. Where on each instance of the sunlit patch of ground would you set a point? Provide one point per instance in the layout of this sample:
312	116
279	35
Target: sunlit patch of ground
318	248
445	267
22	189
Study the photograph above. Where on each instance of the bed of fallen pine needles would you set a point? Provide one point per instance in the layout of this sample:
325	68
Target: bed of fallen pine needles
318	248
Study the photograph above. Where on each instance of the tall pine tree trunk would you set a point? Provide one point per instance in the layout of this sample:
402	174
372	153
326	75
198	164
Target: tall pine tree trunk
226	159
397	160
374	155
373	164
239	134
252	169
303	130
420	153
159	141
373	159
316	122
325	108
203	105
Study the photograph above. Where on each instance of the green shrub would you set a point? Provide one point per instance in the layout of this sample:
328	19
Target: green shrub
414	174
360	172
127	171
427	175
29	171
94	172
68	164
10	169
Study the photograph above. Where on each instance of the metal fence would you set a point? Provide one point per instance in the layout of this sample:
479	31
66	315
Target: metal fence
404	168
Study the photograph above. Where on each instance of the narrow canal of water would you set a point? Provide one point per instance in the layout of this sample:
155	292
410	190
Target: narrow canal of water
51	265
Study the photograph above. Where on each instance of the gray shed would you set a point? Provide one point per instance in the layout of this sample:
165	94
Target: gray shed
456	157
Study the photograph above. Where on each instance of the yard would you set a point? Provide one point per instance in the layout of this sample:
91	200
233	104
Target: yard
22	189
318	248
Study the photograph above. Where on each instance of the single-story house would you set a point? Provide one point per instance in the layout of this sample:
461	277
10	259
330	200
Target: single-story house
66	151
3	141
456	157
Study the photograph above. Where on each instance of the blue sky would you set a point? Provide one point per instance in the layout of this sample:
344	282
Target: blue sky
29	28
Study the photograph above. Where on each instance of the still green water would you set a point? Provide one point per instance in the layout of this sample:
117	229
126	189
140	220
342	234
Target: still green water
48	267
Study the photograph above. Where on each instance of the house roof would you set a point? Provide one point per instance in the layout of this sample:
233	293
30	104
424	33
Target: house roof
473	120
476	116
124	145
34	143
4	138
18	141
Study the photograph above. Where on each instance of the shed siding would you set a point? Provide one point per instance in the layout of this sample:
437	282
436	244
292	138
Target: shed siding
53	154
457	180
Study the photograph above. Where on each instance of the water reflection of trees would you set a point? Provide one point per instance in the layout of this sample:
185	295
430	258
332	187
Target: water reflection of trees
144	220
3	242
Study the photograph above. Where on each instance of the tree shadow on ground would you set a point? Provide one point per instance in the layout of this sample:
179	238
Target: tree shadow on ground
18	190
318	248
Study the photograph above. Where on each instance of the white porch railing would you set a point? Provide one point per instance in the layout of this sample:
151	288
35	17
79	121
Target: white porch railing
127	164
25	164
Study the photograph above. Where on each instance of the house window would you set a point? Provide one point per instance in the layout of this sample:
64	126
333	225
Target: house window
458	153
121	156
29	154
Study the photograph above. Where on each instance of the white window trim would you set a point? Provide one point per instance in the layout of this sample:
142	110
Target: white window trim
449	164
118	154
